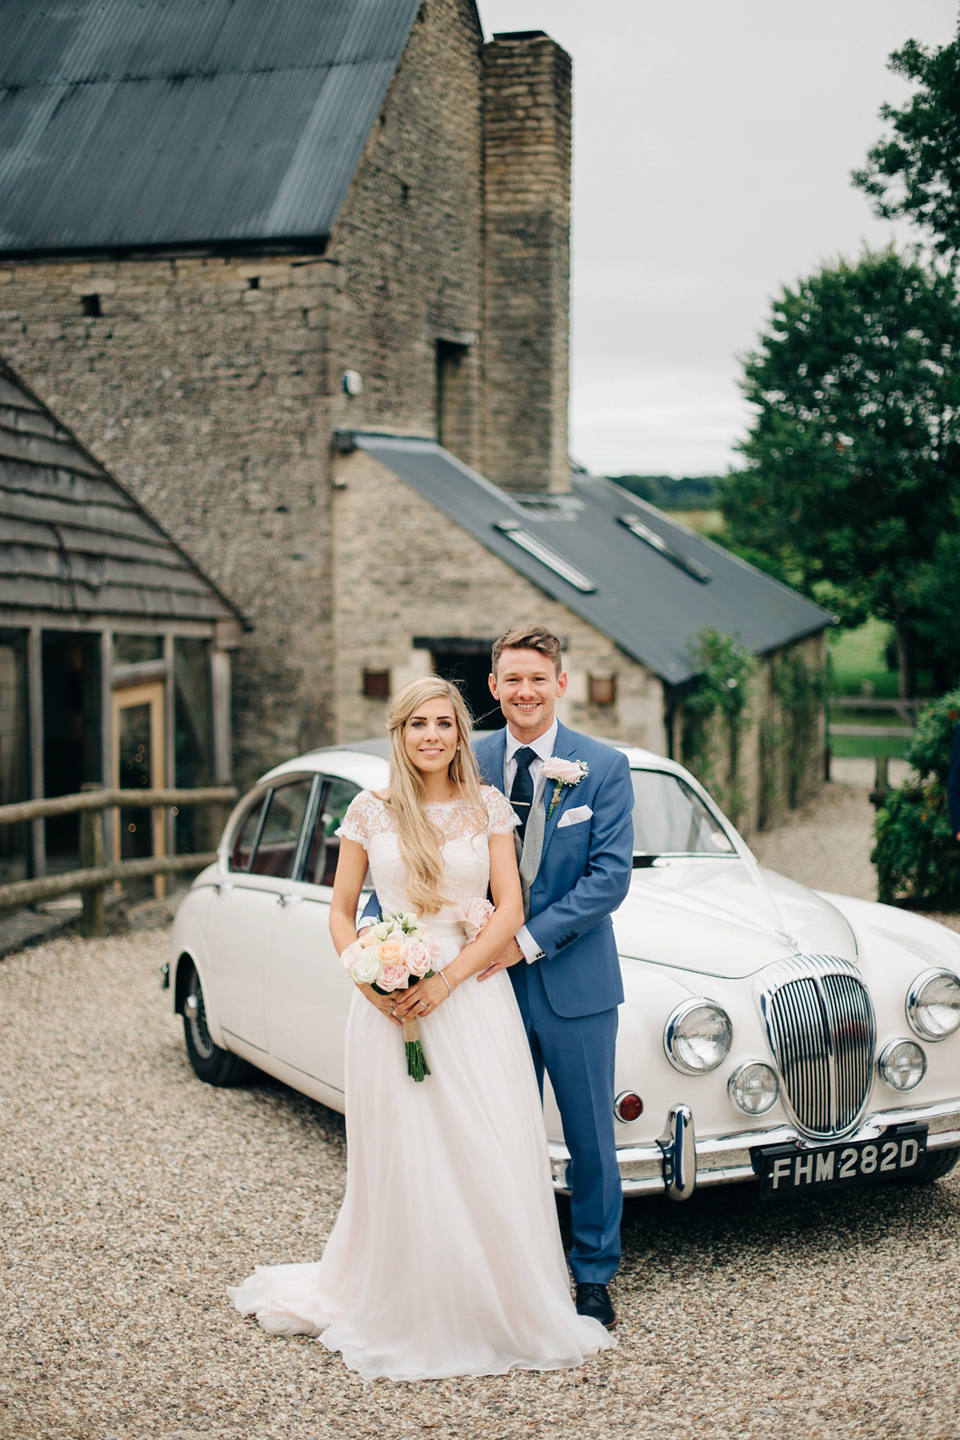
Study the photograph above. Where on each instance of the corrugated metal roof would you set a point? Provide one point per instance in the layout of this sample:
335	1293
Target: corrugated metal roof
651	604
173	122
71	539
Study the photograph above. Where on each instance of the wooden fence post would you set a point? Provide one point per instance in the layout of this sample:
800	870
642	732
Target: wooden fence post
92	921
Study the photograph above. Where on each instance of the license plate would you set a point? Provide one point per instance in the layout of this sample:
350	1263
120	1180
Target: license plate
790	1170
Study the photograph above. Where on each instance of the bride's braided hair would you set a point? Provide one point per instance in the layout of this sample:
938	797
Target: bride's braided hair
419	840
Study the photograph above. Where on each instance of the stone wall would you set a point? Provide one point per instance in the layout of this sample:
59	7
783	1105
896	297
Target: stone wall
406	249
425	575
210	386
527	132
199	386
780	755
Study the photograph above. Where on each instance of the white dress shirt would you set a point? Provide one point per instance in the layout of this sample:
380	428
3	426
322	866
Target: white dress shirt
543	747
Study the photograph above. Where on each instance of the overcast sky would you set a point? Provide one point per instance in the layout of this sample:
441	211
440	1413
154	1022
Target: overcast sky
713	144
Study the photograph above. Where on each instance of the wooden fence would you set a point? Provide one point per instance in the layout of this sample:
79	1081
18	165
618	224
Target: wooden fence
95	874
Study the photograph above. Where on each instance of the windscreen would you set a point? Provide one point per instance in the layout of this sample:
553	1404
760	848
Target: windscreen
669	819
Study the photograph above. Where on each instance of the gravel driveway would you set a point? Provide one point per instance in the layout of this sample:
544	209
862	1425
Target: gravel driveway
132	1194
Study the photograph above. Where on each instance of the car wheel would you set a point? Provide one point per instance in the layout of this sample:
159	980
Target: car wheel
210	1063
934	1165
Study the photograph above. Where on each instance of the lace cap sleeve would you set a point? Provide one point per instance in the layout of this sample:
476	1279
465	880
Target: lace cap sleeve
360	821
501	816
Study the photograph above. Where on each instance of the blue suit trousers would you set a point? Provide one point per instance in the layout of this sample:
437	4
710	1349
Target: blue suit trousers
578	1055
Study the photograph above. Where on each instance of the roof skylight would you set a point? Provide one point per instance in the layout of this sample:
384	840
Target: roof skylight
546	556
656	542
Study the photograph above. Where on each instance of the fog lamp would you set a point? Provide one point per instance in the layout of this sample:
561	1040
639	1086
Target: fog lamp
697	1037
754	1088
628	1106
902	1064
933	1004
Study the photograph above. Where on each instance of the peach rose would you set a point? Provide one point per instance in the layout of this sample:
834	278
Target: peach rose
391	952
392	977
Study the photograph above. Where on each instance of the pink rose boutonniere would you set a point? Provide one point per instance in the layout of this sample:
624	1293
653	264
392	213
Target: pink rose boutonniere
563	773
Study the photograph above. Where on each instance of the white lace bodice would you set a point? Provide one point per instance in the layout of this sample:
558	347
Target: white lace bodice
466	855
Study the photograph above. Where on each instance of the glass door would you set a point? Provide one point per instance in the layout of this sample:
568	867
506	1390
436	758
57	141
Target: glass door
138	742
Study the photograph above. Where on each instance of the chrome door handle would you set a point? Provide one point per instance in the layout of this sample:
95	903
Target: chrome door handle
224	886
289	899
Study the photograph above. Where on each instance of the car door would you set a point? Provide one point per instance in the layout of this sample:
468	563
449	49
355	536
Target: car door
262	858
308	992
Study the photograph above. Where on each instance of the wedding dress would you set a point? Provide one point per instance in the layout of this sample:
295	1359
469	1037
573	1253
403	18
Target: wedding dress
446	1257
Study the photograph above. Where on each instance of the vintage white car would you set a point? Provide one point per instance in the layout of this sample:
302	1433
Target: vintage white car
771	1034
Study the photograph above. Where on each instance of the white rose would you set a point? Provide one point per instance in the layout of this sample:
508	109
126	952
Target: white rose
366	969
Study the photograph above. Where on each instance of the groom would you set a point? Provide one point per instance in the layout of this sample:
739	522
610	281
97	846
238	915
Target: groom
575	847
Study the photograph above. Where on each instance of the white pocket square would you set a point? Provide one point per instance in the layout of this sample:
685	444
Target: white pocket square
576	816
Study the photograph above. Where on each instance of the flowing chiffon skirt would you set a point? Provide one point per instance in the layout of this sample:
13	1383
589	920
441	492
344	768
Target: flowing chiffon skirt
446	1256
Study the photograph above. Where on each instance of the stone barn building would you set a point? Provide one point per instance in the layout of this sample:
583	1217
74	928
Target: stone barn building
244	244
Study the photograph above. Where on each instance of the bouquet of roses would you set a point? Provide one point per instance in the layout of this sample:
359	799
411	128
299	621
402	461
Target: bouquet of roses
394	953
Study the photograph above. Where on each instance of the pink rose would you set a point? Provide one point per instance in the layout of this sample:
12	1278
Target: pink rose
392	977
568	772
475	915
368	939
418	958
351	955
433	947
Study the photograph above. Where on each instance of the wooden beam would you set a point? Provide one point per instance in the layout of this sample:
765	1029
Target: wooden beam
107	799
220	688
35	723
28	892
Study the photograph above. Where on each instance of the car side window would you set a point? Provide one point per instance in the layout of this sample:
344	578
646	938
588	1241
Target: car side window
325	843
277	846
241	852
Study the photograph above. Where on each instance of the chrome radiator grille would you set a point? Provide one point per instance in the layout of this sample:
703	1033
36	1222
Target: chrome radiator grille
821	1029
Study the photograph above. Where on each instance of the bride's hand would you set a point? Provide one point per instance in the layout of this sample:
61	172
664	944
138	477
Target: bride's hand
386	1004
421	999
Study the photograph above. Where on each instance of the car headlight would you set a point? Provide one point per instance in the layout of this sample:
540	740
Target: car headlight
697	1036
902	1064
754	1088
933	1004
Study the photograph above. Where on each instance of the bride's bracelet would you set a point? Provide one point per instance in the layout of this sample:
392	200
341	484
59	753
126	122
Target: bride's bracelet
445	981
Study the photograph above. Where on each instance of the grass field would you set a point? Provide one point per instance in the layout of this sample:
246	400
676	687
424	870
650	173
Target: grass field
857	656
861	745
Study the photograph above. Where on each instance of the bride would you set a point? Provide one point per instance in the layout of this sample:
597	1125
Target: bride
445	1258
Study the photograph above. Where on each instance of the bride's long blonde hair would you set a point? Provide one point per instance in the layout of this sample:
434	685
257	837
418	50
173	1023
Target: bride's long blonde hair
419	840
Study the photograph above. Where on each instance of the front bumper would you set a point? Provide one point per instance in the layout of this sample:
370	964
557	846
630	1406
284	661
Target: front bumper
666	1165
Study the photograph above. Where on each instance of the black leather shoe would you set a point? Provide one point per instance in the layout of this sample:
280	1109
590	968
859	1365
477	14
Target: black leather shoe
594	1301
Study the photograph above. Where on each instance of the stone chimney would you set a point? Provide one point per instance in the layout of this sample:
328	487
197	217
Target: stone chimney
526	328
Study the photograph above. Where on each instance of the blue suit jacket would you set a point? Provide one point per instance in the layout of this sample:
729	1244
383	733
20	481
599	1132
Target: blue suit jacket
584	874
953	783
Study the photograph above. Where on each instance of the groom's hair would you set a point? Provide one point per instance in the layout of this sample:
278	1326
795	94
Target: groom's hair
528	637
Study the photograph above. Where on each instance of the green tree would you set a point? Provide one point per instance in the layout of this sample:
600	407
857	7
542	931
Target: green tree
914	173
916	854
852	466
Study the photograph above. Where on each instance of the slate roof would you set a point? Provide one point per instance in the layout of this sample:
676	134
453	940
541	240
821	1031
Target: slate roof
634	573
72	540
168	122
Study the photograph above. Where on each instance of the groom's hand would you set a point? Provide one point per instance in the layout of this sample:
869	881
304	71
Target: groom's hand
510	956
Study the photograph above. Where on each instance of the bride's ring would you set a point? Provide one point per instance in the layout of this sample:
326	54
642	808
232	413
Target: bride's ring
423	1004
